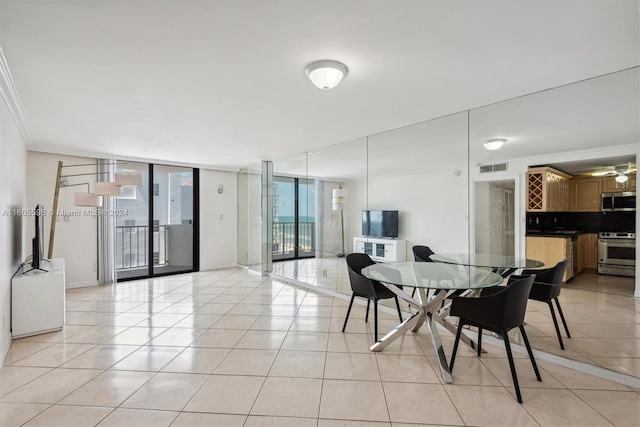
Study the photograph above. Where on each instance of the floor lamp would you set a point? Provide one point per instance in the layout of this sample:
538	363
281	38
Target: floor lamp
87	198
338	200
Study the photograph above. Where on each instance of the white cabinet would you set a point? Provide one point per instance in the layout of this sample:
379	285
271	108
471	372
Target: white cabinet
381	249
37	300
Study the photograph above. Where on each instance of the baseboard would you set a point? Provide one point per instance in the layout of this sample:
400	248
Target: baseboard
81	284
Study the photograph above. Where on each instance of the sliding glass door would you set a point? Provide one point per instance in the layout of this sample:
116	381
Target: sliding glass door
293	218
157	232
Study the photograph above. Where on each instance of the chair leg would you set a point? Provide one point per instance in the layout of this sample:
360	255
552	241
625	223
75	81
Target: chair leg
533	360
455	345
507	346
413	293
375	319
555	323
479	341
564	322
398	307
348	312
366	316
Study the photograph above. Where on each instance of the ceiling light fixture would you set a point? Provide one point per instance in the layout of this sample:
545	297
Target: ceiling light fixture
493	144
621	178
326	74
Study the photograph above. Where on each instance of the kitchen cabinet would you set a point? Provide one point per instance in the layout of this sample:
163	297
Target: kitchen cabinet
580	257
547	190
587	194
591	251
609	184
550	250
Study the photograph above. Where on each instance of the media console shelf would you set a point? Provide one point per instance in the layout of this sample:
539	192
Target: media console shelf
381	249
37	300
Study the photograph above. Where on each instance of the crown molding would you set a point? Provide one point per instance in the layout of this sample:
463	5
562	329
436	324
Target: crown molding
11	98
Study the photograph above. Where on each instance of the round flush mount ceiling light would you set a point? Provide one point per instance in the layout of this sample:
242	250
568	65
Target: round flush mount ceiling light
493	144
326	74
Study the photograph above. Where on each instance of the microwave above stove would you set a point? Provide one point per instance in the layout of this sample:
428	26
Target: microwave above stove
625	201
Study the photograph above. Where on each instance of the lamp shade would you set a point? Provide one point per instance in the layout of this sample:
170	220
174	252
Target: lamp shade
326	74
88	199
338	199
106	189
128	178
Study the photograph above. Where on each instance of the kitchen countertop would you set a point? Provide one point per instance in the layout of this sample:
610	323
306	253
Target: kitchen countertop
557	233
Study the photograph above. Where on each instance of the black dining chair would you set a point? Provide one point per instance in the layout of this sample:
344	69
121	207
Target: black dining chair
421	254
546	288
363	287
498	310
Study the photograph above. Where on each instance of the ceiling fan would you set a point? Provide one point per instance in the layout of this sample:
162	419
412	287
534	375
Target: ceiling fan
619	171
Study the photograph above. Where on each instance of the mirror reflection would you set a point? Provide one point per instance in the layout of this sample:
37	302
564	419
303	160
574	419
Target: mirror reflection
454	195
541	196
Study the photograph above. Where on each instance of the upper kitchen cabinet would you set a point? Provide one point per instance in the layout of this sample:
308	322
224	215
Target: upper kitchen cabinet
587	194
547	190
609	184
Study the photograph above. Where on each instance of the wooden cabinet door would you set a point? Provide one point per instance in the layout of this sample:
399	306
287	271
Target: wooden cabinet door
553	194
587	195
591	251
580	257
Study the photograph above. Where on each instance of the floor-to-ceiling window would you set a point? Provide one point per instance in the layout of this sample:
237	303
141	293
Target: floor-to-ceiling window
293	218
157	230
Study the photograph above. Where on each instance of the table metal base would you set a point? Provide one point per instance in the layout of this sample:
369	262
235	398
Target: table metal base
431	313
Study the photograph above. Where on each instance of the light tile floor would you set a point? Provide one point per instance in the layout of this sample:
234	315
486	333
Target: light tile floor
227	348
602	314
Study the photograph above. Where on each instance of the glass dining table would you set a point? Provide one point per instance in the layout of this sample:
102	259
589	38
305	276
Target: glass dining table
445	279
502	264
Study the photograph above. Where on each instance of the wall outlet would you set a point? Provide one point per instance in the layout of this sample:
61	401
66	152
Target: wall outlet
94	267
4	321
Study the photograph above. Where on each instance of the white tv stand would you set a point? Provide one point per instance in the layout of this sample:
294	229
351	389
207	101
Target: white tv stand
37	300
381	249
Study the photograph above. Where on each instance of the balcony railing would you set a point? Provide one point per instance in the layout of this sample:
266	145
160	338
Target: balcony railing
133	246
284	239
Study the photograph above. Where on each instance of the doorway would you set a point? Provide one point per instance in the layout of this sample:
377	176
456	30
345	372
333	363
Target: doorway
158	232
495	217
294	218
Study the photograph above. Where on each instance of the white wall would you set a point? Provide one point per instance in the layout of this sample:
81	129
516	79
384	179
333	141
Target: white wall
76	237
432	205
482	217
218	219
13	228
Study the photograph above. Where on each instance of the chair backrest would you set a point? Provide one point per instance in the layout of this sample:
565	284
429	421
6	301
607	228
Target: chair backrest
360	284
552	276
514	304
422	253
549	276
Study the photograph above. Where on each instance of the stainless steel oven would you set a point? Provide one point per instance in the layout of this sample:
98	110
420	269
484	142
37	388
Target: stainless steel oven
617	253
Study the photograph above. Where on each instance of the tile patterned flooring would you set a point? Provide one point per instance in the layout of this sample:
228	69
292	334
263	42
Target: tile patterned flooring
230	348
602	314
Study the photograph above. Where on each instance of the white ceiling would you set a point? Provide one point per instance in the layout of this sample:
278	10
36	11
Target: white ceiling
221	83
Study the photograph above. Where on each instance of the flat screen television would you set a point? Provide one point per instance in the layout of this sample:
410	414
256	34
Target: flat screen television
380	224
36	242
